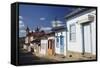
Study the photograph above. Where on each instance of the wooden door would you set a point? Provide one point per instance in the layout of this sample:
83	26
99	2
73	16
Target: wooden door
50	47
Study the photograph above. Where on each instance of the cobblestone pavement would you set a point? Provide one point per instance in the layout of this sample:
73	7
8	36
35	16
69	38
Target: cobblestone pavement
71	56
31	58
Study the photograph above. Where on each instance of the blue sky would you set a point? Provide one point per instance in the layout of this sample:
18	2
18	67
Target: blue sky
36	15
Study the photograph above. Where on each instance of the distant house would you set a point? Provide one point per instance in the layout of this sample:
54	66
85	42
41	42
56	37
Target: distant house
60	40
48	44
28	40
32	40
81	34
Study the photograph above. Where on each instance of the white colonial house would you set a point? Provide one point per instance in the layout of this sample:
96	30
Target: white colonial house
60	40
81	31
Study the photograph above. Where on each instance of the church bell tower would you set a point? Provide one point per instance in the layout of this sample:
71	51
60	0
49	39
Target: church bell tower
27	30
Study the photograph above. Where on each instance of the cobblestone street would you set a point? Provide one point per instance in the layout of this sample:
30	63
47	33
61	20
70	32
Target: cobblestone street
33	58
71	56
29	58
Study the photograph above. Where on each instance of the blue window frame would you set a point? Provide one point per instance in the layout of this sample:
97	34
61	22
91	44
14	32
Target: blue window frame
61	40
61	43
57	41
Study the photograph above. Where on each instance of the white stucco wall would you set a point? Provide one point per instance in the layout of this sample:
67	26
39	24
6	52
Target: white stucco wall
57	49
94	35
24	46
51	37
26	40
77	45
31	38
43	49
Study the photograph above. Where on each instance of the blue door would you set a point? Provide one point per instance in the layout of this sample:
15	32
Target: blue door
61	44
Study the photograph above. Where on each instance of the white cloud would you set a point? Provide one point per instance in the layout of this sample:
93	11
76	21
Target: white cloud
20	22
21	25
22	31
42	18
57	23
33	30
46	28
20	17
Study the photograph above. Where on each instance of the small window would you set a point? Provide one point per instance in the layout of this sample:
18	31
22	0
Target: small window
72	32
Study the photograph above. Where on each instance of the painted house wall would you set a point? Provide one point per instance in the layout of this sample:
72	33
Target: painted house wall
51	37
57	45
43	48
31	38
77	44
94	34
26	40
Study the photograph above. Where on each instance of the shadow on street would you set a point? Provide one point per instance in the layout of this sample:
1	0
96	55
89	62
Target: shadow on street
29	58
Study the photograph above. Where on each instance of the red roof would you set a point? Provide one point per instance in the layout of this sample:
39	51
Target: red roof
36	34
